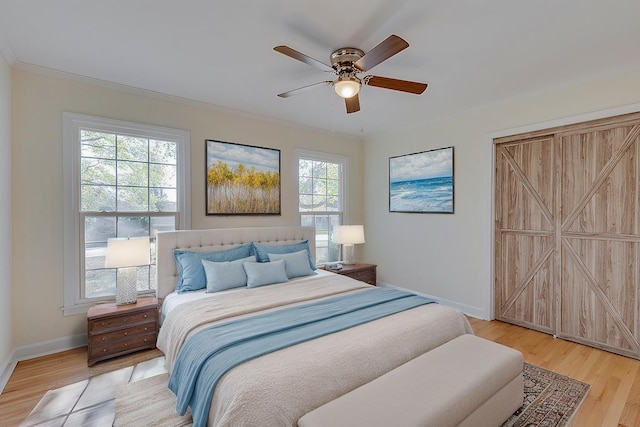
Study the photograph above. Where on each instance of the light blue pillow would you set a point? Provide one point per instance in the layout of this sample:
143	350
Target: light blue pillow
296	264
191	276
226	274
265	273
262	251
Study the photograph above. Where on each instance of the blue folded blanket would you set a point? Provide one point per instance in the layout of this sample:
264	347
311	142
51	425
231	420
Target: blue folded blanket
210	353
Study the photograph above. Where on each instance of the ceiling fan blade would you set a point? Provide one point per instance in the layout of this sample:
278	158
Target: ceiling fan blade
395	84
302	89
352	104
286	50
385	50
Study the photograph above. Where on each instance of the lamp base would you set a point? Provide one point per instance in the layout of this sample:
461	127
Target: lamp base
348	254
127	286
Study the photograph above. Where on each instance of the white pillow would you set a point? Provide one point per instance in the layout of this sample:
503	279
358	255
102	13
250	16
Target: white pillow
296	264
264	273
226	274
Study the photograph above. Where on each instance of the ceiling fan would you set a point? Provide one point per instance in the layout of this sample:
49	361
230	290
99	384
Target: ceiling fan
347	63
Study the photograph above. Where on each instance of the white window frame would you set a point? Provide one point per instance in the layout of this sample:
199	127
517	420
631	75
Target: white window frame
74	301
330	158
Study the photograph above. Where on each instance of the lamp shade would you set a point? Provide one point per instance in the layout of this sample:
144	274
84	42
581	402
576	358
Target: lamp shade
128	252
348	234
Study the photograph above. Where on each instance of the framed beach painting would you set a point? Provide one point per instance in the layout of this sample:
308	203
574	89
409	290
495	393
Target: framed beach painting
242	179
422	182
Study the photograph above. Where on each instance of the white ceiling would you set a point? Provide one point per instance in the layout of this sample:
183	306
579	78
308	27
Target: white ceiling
470	52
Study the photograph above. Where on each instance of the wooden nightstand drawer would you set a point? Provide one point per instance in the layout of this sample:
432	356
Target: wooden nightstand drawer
109	323
124	346
122	334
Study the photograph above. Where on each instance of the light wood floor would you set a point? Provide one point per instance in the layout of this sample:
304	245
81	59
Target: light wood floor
614	399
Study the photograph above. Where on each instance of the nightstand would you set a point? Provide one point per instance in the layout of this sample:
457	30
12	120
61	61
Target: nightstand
115	330
359	271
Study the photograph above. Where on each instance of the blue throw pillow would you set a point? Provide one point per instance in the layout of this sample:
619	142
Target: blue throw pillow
296	264
265	273
262	251
191	276
226	275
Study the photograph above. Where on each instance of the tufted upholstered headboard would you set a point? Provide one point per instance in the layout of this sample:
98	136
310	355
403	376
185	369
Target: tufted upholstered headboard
215	240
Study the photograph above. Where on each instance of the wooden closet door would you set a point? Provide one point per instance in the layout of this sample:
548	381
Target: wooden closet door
600	238
567	232
525	233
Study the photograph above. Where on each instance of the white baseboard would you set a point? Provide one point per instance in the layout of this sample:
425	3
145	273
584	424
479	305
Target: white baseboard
477	312
37	350
7	369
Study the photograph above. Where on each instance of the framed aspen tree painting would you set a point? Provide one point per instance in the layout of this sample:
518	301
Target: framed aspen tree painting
242	179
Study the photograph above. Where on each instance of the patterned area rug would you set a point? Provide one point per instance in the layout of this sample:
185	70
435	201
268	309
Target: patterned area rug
550	399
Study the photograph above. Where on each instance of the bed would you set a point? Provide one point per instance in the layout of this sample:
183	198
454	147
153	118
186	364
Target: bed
279	387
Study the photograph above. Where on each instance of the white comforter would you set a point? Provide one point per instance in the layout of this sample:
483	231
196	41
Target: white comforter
277	389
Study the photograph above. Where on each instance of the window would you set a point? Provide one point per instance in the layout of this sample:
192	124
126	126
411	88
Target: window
321	201
121	180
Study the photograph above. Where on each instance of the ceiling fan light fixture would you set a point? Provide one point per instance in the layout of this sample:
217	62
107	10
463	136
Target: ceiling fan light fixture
347	87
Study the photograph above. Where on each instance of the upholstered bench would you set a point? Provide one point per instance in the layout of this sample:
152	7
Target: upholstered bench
468	381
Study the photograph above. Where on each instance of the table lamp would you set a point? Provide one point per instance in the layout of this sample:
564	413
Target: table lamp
348	235
127	254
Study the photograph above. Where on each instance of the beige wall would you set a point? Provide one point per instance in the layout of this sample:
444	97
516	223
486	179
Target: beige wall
38	102
450	256
5	212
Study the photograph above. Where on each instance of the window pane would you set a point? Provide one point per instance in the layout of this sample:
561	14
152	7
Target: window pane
163	199
305	168
133	174
100	283
133	199
306	203
97	229
133	226
320	169
320	186
163	152
97	144
95	254
333	171
333	203
162	176
306	185
132	148
162	223
98	171
333	187
319	203
98	198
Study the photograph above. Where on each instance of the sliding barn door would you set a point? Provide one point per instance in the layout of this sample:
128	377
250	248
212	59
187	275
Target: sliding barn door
525	233
568	232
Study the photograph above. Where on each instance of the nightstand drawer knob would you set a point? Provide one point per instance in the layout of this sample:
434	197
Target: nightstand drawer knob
145	340
146	329
145	316
126	333
126	345
124	320
103	338
104	350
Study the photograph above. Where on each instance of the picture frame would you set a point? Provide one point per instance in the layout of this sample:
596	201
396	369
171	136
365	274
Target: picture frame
241	179
422	182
